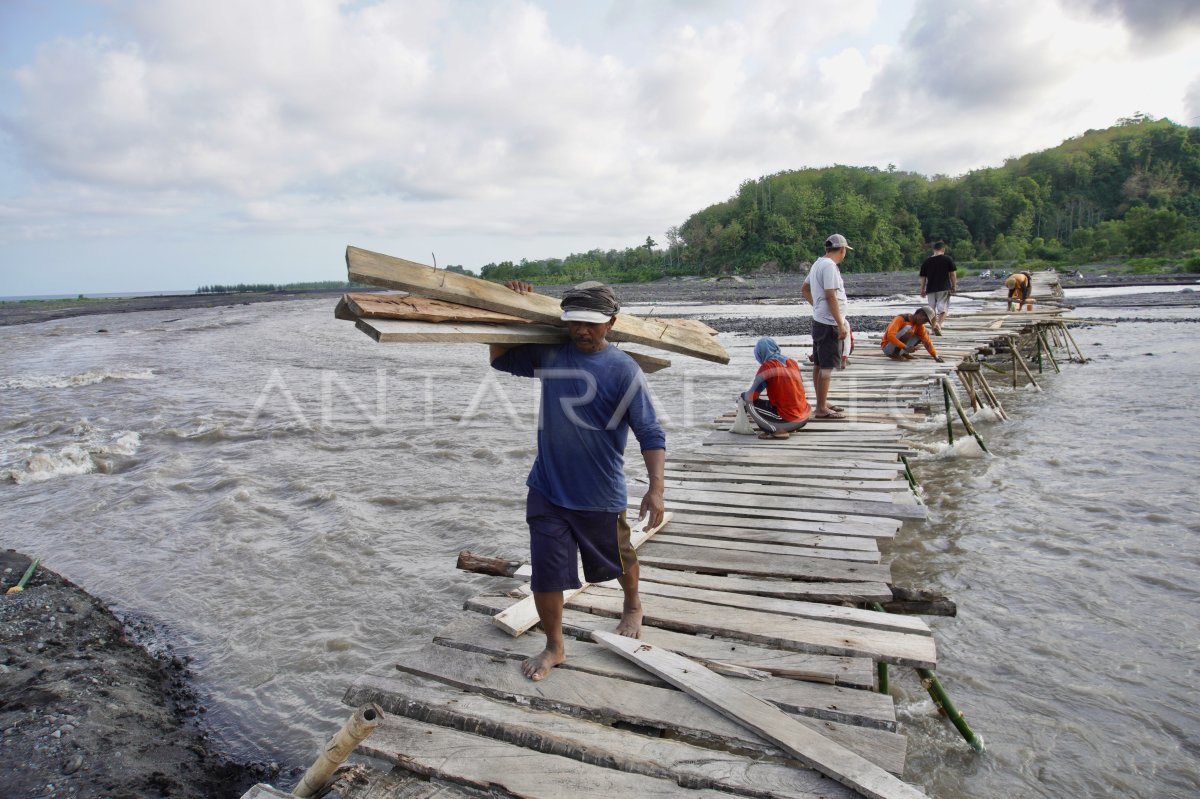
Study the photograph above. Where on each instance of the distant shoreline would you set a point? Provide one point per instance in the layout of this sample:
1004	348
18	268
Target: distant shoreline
33	311
752	289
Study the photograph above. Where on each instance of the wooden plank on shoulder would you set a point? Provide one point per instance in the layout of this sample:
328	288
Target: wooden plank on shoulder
422	309
384	270
816	750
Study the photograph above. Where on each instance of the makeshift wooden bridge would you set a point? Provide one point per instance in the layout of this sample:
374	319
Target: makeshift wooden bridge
762	666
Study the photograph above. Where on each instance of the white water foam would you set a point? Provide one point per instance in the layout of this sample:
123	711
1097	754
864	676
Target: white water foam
83	457
87	378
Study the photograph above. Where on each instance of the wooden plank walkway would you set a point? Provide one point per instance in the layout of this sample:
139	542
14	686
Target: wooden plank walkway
755	674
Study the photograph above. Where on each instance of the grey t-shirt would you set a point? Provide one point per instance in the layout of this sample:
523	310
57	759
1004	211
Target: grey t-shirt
823	275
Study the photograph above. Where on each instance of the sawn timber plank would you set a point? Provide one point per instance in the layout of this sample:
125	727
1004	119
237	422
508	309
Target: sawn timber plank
816	750
384	270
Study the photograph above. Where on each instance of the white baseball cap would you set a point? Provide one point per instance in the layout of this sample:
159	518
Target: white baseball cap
836	242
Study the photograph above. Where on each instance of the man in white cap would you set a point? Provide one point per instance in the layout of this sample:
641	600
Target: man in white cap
906	333
825	291
593	394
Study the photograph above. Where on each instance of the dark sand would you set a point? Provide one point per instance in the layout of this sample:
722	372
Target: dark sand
92	706
85	711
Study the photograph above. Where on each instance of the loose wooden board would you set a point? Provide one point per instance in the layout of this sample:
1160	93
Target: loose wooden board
383	270
760	564
792	633
589	742
855	672
722	545
855	617
725	516
472	633
606	700
799	542
830	759
782	502
487	765
792	491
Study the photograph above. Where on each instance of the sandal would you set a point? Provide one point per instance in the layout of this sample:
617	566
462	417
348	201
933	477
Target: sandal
832	414
768	436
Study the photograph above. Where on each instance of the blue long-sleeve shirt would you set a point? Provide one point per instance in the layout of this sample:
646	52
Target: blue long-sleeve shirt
590	401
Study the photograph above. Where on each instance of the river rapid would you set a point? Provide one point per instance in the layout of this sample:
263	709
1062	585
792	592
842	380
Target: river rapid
286	499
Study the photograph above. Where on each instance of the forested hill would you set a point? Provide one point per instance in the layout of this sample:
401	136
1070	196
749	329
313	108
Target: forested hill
1128	191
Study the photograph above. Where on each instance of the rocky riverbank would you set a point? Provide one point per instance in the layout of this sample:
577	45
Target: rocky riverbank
87	712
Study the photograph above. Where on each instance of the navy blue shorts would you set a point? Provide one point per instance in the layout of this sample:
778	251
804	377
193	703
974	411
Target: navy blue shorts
558	536
827	347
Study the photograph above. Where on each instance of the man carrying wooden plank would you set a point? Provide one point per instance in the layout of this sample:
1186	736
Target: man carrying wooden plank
592	395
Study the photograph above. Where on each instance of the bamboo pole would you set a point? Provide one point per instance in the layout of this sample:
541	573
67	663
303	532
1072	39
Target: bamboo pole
949	419
991	395
20	586
1041	332
941	698
1067	330
361	724
1019	358
952	396
881	672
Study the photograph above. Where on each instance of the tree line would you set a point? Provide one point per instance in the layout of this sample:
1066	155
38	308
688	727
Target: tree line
1128	191
263	288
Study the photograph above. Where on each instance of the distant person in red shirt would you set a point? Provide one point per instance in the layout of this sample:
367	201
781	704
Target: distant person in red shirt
787	409
906	333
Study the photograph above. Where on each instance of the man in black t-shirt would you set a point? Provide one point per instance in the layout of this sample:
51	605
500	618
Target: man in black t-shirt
939	279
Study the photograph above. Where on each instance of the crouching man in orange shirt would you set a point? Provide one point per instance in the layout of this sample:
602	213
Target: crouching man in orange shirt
907	331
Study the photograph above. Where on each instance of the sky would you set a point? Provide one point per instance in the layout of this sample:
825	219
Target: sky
150	145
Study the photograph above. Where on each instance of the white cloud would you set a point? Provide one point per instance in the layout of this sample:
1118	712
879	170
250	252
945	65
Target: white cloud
531	122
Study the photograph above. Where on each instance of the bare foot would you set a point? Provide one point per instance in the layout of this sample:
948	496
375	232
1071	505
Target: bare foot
631	623
538	667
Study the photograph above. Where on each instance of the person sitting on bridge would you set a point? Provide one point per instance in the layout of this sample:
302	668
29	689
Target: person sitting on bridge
788	409
907	331
1020	287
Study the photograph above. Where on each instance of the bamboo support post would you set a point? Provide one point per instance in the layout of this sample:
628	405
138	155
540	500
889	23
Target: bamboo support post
942	699
949	420
1041	332
952	397
361	724
991	395
908	475
1071	338
965	379
1020	359
1037	340
881	672
20	586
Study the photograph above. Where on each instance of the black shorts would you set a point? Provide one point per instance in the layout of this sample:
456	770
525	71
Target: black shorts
827	347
